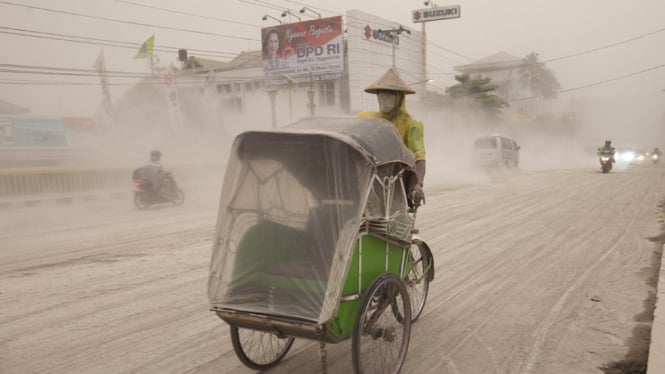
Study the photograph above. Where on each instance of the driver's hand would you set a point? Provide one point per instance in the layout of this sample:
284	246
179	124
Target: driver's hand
418	196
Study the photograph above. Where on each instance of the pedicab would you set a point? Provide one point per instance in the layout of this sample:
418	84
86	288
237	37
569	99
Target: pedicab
315	239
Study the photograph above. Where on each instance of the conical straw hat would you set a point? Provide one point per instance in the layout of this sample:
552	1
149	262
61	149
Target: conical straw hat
390	80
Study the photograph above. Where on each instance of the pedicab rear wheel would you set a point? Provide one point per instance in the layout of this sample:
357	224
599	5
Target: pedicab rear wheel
380	337
259	350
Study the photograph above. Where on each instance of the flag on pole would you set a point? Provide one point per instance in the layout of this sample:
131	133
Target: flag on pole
146	48
100	67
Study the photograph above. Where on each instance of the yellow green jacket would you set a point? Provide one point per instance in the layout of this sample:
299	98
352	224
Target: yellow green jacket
411	130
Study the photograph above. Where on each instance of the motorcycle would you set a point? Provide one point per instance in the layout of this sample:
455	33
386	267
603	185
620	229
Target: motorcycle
655	158
145	195
605	162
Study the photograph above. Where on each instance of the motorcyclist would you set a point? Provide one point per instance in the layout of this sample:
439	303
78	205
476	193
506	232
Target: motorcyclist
154	172
607	149
391	93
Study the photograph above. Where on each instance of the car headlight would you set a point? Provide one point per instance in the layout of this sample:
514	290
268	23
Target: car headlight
628	156
640	158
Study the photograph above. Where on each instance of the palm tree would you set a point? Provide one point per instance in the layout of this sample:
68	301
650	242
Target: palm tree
478	93
538	78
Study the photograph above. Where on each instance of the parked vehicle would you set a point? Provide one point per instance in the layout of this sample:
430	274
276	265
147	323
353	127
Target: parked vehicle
496	150
145	195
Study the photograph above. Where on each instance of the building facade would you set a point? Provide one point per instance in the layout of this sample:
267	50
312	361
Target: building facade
240	94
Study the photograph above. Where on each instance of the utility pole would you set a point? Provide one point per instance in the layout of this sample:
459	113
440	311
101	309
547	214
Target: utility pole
433	13
394	32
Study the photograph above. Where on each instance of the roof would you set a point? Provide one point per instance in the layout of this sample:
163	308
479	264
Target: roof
244	60
377	138
249	59
497	61
8	108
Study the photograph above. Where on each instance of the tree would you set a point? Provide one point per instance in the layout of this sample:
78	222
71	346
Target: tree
538	78
477	93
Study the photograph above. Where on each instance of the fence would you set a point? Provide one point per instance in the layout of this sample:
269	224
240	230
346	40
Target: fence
25	182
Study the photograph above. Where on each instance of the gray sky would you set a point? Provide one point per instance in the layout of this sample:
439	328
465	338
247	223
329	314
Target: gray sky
554	29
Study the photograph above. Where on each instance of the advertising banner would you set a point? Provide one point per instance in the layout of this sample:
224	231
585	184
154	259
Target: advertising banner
6	132
25	131
304	51
81	131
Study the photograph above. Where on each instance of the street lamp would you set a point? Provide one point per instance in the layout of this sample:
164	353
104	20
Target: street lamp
284	13
393	32
306	8
269	16
429	80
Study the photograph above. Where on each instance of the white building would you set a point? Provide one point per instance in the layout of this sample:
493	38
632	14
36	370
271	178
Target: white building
236	94
504	70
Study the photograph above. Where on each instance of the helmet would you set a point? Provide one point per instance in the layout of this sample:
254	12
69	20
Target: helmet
155	155
608	142
389	81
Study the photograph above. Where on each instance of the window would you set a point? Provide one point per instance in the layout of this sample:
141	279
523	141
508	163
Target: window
482	143
224	88
327	93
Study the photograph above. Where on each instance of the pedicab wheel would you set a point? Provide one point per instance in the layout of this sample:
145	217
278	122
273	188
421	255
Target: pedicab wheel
259	350
417	279
179	197
380	340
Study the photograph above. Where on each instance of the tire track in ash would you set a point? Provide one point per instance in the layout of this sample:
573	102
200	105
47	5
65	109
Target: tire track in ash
544	328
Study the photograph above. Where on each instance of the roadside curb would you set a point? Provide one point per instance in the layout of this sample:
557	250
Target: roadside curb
62	199
656	361
28	201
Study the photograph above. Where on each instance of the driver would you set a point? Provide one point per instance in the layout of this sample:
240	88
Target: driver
391	93
154	172
607	148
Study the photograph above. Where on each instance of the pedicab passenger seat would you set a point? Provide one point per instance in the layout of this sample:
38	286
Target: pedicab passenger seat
309	260
284	262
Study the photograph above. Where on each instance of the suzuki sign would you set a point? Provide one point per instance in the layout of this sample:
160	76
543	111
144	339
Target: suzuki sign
435	14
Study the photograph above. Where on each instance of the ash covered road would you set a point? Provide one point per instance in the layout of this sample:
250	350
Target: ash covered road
536	272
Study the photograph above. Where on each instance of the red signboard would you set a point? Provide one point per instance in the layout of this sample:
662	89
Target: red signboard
304	51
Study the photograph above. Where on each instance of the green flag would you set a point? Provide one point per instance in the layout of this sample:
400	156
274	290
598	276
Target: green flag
146	49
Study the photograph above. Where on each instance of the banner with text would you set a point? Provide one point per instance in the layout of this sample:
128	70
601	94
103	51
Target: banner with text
304	51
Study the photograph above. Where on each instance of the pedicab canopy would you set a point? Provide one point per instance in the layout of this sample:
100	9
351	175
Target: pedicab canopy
291	206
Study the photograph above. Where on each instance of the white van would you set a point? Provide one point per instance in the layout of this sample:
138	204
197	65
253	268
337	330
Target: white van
496	150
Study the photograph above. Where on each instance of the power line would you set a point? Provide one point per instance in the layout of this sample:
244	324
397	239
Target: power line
598	83
185	13
273	6
127	22
606	46
71	70
614	79
99	41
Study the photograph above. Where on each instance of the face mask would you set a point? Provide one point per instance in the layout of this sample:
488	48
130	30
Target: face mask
387	101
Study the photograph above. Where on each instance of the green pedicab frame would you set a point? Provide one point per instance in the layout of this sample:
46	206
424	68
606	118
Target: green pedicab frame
292	227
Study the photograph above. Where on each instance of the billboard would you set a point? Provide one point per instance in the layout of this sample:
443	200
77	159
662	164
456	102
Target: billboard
435	14
47	132
28	131
304	51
